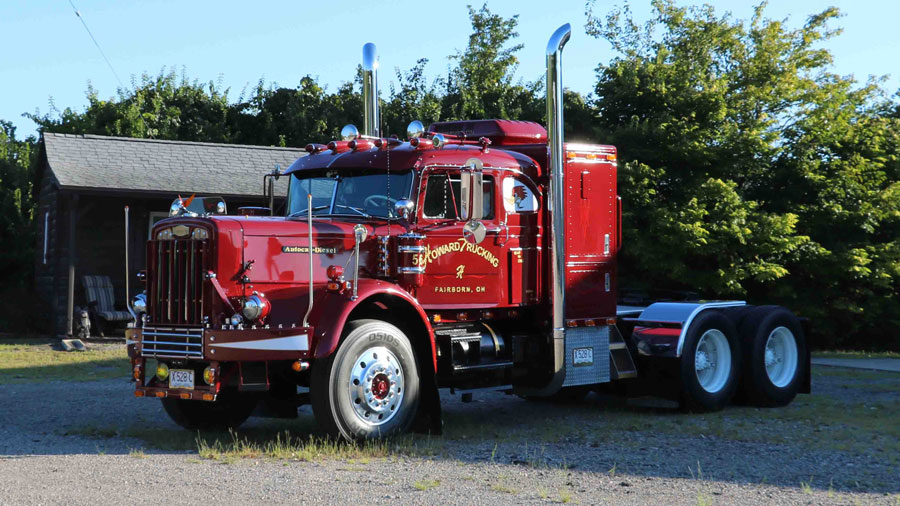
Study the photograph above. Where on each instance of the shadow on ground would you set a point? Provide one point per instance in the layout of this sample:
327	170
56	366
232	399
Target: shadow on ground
843	437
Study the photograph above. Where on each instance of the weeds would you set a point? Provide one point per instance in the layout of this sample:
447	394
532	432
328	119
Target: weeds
424	485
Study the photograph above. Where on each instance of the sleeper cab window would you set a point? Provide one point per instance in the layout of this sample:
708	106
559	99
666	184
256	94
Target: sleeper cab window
442	197
518	196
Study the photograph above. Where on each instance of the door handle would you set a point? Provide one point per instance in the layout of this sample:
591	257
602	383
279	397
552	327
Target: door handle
503	226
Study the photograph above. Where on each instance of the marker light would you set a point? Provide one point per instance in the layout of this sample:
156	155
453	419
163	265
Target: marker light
335	272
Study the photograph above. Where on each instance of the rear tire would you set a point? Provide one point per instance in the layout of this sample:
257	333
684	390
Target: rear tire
228	411
369	388
710	363
775	348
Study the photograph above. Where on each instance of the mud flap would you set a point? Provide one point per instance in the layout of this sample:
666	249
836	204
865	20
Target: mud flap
428	420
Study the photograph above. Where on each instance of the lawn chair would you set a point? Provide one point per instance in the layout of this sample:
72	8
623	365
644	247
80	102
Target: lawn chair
101	302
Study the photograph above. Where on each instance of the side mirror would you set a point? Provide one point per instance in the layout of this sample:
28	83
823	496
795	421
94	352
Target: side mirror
471	190
404	208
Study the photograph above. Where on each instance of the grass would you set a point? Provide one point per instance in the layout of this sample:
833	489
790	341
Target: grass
424	485
35	360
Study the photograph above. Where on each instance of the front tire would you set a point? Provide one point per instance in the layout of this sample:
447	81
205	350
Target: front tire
229	411
775	349
710	363
369	388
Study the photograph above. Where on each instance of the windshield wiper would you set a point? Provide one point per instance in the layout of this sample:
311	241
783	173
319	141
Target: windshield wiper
304	211
356	209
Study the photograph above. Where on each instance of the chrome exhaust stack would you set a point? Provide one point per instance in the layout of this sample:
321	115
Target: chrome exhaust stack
371	116
556	205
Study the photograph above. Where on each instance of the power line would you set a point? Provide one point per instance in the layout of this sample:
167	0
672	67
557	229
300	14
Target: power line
77	13
108	63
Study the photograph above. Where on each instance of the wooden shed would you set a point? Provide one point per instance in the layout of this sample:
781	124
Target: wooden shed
87	180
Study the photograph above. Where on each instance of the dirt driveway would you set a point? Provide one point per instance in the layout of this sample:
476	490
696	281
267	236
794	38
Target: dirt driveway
93	443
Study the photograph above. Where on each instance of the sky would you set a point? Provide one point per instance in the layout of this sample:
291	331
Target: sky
48	55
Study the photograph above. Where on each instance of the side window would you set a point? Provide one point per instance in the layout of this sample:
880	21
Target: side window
518	197
442	197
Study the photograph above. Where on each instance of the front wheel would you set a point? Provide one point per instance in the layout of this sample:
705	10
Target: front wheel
369	388
230	410
710	362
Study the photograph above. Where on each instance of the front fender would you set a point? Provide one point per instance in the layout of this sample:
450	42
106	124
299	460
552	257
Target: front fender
332	311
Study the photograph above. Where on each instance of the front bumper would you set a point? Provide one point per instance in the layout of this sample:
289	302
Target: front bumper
223	345
194	345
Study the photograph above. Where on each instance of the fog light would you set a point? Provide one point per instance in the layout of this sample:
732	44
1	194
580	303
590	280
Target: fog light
235	320
162	371
208	375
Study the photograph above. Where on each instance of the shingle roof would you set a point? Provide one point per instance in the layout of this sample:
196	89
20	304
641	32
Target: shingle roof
149	165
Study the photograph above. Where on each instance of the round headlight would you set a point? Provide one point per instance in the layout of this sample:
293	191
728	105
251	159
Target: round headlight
162	371
175	209
255	307
139	303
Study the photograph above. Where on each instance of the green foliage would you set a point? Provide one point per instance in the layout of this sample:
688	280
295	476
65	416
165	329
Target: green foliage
16	207
747	168
750	170
162	107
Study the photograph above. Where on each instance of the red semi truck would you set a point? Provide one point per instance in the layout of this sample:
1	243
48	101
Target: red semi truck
476	255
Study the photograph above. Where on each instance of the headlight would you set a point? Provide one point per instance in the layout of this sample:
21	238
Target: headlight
162	371
175	209
256	307
139	303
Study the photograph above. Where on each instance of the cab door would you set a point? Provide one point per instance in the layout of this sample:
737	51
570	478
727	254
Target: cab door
459	273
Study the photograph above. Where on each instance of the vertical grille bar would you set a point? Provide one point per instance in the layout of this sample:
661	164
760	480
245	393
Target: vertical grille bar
177	291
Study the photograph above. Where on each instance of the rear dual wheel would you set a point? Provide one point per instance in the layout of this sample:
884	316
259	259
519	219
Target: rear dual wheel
776	352
710	362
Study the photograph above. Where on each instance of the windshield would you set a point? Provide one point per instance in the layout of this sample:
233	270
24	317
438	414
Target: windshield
369	195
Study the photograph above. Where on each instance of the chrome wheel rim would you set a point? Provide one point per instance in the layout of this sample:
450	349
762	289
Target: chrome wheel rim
376	386
781	357
712	361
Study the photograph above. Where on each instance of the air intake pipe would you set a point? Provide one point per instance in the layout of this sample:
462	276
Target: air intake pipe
371	117
555	161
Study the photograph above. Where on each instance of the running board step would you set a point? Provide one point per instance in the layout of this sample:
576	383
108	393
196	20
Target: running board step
621	364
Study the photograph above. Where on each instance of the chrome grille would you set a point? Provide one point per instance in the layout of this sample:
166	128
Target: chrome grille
172	342
175	280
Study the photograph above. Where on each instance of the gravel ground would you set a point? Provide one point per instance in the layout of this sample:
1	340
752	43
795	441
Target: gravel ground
498	449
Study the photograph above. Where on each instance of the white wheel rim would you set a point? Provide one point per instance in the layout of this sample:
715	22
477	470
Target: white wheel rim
376	386
712	361
781	357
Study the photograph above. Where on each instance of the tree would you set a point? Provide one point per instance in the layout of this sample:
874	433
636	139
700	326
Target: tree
161	107
480	86
16	207
741	155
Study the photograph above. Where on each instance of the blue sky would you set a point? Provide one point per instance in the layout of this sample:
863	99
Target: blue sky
49	54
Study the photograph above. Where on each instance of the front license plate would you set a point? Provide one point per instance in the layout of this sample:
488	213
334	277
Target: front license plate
582	356
180	378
